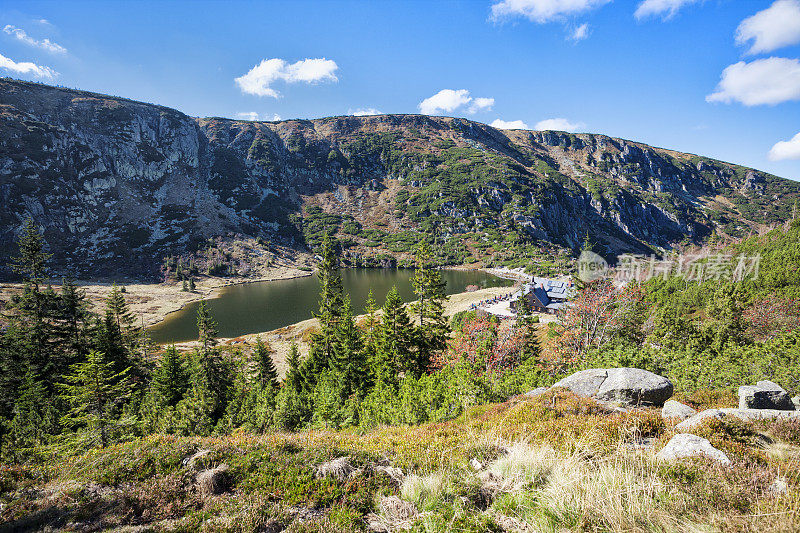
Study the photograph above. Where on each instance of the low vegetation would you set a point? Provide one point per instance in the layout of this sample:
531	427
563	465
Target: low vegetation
401	420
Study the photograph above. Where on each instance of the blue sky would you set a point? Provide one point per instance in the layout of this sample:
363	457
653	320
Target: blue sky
717	77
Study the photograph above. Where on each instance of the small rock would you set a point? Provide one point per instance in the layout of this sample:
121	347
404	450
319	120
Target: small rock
765	395
742	414
673	409
475	464
193	460
214	480
796	402
538	391
340	468
685	445
779	486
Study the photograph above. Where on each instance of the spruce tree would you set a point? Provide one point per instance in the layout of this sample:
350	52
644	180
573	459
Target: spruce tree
323	351
95	391
433	329
395	339
266	375
206	328
530	342
170	379
350	369
34	419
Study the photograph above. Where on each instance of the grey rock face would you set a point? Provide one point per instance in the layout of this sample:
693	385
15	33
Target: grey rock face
765	395
673	409
742	414
685	445
629	386
538	391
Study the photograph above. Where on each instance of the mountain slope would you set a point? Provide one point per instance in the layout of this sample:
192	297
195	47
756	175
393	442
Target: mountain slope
117	185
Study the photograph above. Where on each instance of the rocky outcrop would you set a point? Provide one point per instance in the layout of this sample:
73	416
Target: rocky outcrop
741	414
214	481
684	445
677	410
765	395
627	386
116	185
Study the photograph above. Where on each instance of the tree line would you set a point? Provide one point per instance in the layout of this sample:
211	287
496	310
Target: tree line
71	377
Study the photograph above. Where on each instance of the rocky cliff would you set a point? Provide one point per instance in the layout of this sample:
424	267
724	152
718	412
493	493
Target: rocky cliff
117	185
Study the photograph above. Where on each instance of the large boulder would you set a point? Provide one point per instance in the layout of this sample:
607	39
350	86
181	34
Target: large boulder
765	395
685	445
745	415
629	386
673	409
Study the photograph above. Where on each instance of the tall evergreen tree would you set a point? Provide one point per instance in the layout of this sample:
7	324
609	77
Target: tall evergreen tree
206	328
265	373
95	392
395	339
323	352
431	334
530	342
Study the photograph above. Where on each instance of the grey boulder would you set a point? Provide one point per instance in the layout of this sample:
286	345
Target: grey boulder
745	415
673	409
629	386
538	391
765	395
685	445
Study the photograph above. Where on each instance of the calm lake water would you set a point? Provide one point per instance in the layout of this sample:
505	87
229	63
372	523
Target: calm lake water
267	305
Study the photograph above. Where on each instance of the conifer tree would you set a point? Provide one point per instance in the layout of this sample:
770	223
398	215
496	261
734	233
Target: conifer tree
206	328
431	334
35	417
350	370
170	379
95	391
117	307
291	408
266	375
395	341
322	354
530	342
370	328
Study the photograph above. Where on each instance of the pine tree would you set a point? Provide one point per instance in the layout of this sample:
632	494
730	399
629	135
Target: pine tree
350	369
170	379
293	378
530	342
322	354
95	391
431	334
184	287
266	375
206	328
121	314
395	341
191	284
370	333
74	319
34	419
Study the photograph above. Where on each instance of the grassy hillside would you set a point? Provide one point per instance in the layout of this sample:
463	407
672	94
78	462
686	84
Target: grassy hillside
552	463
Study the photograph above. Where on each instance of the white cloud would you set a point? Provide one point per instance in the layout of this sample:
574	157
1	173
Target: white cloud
664	8
364	111
247	115
509	124
445	100
259	79
785	149
764	81
45	44
481	104
580	33
542	11
773	28
27	68
559	124
276	117
44	21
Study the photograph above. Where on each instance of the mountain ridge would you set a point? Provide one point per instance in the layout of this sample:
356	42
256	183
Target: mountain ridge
117	185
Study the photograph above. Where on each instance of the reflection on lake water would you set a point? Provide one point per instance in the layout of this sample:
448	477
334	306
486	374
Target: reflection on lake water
267	305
